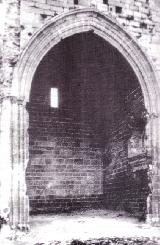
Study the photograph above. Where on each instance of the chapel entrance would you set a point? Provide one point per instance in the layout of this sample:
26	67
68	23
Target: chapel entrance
92	135
86	131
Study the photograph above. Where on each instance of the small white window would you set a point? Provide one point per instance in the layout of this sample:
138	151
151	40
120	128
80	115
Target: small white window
54	98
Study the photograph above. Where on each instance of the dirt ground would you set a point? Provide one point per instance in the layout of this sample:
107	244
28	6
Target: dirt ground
101	227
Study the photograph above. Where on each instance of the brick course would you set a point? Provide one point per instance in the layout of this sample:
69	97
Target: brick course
91	154
126	178
67	150
140	18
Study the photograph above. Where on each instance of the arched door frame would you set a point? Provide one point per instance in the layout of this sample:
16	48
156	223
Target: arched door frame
58	28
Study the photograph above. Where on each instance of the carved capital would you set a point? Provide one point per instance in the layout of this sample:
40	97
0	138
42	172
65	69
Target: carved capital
153	116
18	101
13	100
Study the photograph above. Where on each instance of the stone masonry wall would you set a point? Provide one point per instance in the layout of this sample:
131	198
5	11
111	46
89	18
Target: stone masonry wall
126	176
65	169
10	41
67	144
1	40
140	18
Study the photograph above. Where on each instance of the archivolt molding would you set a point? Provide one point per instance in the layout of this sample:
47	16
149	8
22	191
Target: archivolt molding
78	21
47	37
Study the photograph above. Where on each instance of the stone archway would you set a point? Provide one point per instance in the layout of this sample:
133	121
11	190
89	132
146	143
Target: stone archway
49	35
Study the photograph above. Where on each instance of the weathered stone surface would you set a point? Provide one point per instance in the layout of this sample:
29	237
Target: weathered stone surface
21	19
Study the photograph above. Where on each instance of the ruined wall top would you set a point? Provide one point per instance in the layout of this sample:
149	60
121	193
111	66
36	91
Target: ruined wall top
20	19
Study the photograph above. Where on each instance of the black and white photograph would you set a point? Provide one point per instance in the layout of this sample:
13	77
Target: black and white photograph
79	122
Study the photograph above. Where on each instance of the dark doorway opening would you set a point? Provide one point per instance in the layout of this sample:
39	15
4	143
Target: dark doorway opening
89	151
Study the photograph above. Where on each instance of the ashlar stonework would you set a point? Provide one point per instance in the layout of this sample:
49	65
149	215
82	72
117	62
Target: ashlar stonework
101	146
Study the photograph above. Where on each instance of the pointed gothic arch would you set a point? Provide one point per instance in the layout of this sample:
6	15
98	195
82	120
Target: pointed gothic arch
43	40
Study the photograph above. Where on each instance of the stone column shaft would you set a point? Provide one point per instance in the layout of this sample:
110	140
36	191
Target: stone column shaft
20	205
6	157
14	157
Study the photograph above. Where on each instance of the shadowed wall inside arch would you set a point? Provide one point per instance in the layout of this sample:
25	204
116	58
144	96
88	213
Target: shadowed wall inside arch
89	152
